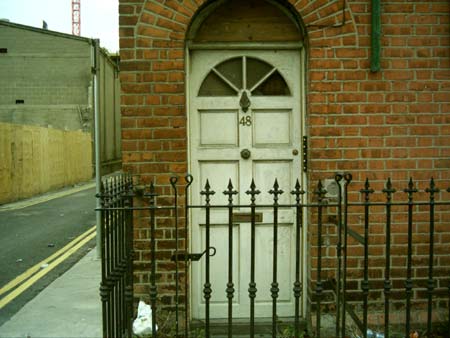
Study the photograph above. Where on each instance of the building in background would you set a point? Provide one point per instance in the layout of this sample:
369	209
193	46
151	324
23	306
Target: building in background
47	111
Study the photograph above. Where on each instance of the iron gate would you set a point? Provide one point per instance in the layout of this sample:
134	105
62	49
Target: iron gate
354	214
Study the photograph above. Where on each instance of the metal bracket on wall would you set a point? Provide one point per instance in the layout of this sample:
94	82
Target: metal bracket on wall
305	153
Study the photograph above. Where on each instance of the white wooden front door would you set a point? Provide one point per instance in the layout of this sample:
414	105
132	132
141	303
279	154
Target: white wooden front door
244	101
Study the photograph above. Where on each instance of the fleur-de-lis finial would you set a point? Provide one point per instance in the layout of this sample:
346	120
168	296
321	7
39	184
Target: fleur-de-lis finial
320	191
367	190
275	192
230	192
253	192
410	190
432	189
297	192
389	190
207	192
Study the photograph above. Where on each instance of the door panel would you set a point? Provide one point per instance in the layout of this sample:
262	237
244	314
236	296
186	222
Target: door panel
218	128
272	128
244	100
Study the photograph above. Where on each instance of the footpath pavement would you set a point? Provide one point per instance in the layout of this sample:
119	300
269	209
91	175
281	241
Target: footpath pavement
69	307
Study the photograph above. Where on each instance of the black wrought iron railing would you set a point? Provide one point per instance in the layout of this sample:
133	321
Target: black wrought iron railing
402	216
116	288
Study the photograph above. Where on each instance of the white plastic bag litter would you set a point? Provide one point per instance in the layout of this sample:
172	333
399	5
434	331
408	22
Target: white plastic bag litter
142	325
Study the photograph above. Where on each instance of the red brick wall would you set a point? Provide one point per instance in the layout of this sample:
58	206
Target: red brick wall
393	123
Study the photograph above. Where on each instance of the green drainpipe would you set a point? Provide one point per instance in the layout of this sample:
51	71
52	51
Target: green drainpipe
376	36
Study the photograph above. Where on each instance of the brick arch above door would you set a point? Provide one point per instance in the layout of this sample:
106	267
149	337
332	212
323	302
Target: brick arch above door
148	23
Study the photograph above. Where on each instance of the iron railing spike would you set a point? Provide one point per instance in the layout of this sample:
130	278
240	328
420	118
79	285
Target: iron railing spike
320	191
189	179
173	181
338	177
432	188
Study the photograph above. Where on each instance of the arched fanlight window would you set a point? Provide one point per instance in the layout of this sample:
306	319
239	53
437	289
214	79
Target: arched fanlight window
234	75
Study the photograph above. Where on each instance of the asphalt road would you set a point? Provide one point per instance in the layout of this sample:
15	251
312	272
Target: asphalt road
31	234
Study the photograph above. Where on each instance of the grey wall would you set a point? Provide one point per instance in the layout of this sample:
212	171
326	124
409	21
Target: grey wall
109	101
51	73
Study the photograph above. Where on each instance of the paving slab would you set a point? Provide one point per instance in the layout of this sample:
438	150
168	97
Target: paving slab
68	307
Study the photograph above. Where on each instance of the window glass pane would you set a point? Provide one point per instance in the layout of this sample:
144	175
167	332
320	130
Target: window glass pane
213	85
232	71
274	85
256	70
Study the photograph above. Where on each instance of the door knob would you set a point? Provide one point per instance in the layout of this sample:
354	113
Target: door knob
295	152
245	154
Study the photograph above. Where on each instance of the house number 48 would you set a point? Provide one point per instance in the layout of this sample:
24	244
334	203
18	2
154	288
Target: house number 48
246	121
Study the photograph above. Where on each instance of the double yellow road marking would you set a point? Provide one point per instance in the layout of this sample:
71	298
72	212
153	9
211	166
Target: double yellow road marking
33	274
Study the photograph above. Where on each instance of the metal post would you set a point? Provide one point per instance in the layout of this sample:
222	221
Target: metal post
348	178
408	282
297	192
431	283
275	289
252	285
153	288
173	183
320	192
207	286
230	285
98	174
365	283
337	179
387	274
188	179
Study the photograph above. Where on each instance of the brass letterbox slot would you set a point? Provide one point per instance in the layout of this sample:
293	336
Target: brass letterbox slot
246	217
